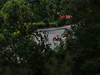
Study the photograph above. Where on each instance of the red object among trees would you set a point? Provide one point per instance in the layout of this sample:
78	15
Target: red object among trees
57	38
65	17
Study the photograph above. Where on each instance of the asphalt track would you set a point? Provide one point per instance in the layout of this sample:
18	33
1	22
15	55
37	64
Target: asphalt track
54	32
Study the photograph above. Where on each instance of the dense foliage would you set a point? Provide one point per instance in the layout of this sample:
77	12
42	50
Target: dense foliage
20	54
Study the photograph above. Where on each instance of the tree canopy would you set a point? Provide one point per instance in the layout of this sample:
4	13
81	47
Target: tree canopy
20	54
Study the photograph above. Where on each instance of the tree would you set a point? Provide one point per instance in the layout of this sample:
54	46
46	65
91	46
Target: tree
84	49
20	9
18	49
48	10
2	2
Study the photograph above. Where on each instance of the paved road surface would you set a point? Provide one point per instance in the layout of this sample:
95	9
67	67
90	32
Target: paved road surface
54	32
